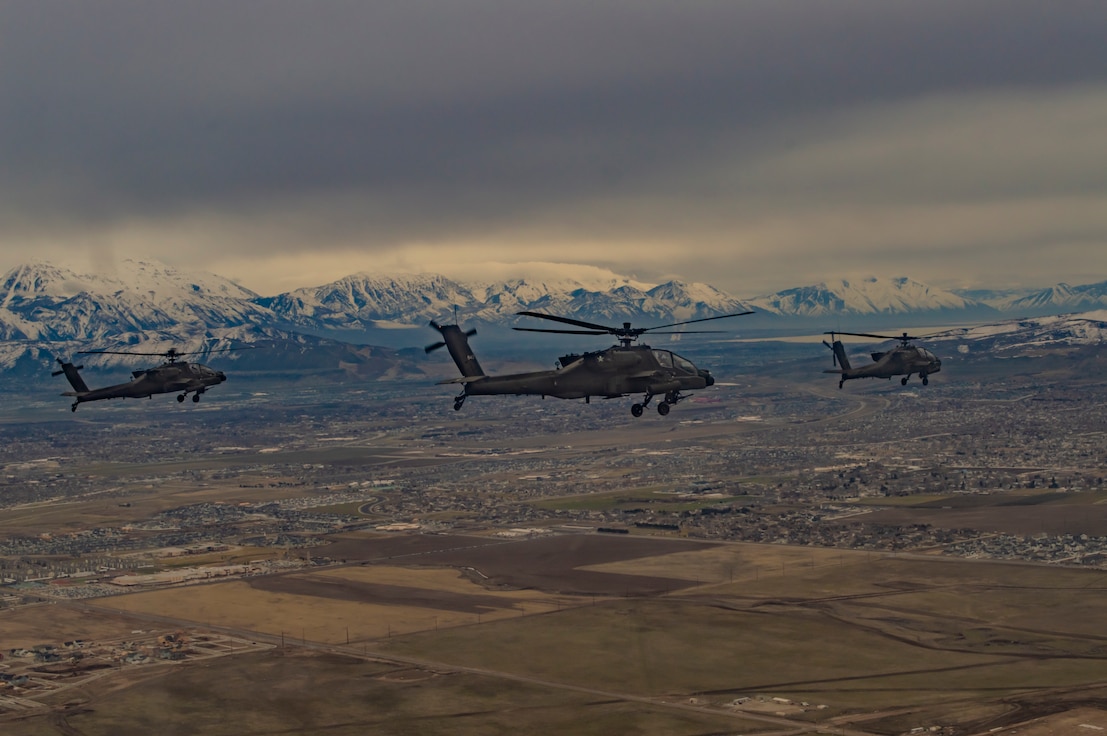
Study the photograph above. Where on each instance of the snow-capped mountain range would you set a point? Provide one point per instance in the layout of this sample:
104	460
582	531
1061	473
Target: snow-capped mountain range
1044	301
1024	336
45	302
365	300
46	309
866	296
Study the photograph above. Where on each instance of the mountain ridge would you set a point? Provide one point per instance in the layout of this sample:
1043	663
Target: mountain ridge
46	308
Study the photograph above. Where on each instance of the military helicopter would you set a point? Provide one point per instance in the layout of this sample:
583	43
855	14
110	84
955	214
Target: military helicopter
902	360
166	378
615	372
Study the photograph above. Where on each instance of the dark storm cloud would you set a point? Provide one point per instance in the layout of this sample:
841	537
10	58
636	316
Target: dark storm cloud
423	120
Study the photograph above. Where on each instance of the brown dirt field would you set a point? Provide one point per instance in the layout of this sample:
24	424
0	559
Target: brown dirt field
551	564
342	604
29	626
412	590
297	692
398	595
554	564
736	562
1088	721
1023	520
382	547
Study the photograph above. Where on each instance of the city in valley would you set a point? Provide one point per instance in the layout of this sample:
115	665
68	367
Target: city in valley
777	555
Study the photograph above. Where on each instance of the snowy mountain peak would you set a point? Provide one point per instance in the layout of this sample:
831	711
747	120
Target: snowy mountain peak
40	278
870	295
45	302
128	276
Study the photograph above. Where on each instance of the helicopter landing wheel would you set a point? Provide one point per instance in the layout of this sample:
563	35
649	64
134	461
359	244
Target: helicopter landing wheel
840	383
74	407
180	398
903	381
457	405
663	408
636	410
195	398
926	381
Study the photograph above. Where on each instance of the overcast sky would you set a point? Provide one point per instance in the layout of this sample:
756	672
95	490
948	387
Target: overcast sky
753	145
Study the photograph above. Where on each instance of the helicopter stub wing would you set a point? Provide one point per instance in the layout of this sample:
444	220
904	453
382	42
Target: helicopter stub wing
190	384
647	374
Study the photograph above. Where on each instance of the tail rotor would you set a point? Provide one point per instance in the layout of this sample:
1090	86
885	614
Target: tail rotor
833	352
456	341
442	331
63	364
435	345
72	374
838	351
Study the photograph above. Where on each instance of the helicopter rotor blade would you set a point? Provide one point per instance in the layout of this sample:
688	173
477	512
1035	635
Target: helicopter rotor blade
115	352
223	350
687	332
170	353
434	346
904	336
563	332
702	319
624	332
568	321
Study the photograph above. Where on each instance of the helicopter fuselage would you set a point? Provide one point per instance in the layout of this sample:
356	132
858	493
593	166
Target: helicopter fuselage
166	378
903	360
900	361
617	371
611	373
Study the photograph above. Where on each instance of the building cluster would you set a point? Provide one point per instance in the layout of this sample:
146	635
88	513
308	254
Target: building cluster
775	466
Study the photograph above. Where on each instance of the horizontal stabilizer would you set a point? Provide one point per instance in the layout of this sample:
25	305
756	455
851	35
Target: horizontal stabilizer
463	379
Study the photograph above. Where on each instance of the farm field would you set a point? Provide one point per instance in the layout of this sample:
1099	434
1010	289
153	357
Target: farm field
597	633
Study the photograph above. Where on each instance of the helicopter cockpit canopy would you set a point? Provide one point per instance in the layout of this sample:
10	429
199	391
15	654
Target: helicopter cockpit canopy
668	359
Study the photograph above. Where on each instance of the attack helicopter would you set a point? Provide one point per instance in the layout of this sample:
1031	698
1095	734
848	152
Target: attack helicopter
902	360
618	371
172	375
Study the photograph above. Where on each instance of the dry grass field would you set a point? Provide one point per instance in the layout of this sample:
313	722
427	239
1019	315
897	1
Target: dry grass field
1085	514
126	505
302	693
477	635
52	623
355	604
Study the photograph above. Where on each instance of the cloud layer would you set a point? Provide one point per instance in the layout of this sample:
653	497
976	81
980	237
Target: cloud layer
754	145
